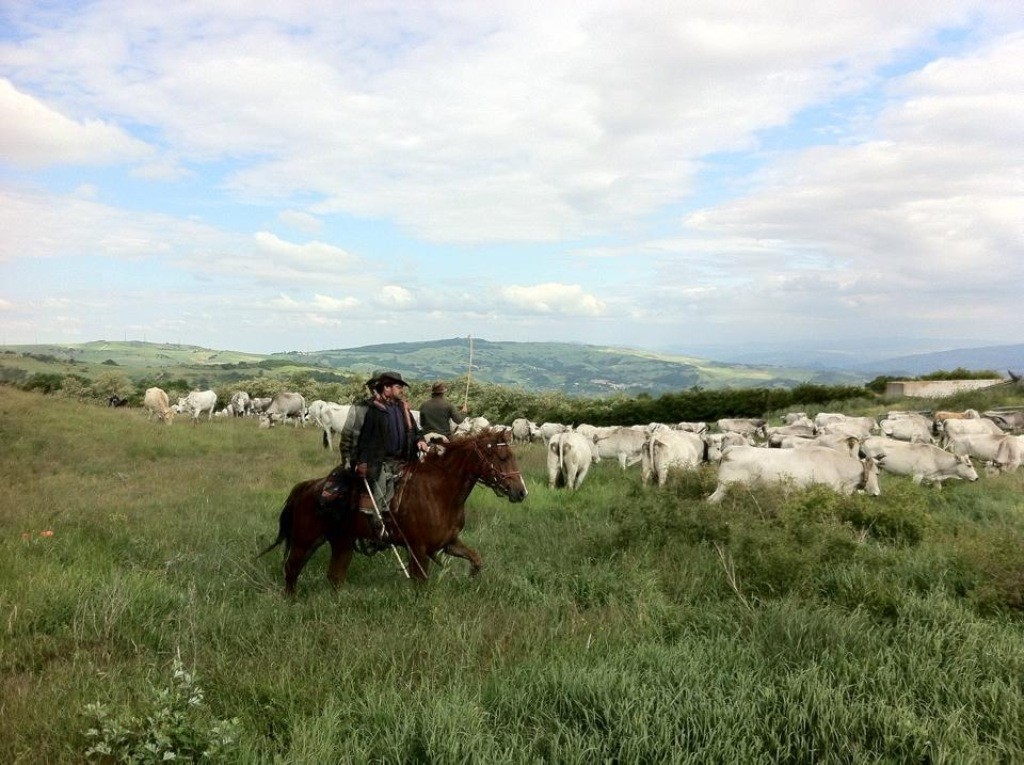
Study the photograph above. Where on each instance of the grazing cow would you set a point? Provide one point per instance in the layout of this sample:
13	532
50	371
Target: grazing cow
623	444
746	426
916	430
669	449
283	406
549	429
804	467
259	405
523	431
197	402
715	444
345	420
925	463
981	446
1011	422
157	403
1010	454
797	418
569	458
241	403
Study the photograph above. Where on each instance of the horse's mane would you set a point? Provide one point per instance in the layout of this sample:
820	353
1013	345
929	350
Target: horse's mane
458	449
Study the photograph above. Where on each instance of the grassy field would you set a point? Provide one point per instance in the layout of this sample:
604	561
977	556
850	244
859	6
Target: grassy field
614	624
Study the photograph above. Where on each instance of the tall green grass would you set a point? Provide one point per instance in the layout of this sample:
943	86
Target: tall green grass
610	624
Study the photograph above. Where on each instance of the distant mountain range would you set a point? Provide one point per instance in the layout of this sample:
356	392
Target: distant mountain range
573	368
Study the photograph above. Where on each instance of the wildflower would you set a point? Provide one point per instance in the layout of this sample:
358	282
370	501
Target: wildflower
46	533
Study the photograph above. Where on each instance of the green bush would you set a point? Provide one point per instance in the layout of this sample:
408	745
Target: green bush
173	726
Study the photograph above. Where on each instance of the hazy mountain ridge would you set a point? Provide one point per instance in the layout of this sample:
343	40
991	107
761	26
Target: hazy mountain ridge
573	368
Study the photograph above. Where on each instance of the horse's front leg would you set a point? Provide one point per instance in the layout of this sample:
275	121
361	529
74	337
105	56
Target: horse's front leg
341	556
418	562
460	549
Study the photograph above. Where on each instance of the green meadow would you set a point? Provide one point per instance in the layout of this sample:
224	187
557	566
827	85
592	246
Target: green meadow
615	624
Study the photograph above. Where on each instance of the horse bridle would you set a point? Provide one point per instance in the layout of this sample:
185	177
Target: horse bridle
495	478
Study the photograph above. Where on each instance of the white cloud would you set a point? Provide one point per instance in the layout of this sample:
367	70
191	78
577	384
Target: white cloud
314	256
304	222
32	134
551	298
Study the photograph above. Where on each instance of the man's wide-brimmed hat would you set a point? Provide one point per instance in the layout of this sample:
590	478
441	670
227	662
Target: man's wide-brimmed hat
392	378
438	388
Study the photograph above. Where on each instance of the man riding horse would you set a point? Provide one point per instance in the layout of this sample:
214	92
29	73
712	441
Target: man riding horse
389	438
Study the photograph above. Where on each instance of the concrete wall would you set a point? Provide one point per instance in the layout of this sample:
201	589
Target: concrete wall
935	388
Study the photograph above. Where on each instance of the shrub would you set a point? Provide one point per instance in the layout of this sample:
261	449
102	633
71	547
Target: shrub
172	727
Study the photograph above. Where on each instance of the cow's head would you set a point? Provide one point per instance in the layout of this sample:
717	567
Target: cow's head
965	468
869	477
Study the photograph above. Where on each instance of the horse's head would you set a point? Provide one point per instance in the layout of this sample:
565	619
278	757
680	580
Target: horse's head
497	467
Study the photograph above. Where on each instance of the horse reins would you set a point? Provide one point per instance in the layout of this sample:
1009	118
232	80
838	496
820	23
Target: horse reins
494	480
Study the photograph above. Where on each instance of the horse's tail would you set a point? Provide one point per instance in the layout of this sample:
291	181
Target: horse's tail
284	524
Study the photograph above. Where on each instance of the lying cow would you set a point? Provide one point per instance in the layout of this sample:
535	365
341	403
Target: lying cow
803	467
924	463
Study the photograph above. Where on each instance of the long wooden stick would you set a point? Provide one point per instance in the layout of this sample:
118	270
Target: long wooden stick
469	374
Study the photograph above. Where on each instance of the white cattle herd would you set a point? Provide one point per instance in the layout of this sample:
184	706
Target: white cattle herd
836	450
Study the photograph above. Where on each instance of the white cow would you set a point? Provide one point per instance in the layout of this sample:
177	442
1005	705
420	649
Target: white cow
1010	454
524	431
804	467
259	405
952	428
924	463
549	429
240	403
569	458
858	427
314	408
623	444
981	446
669	449
283	406
197	402
157	403
692	427
837	441
471	426
746	426
344	420
717	443
916	430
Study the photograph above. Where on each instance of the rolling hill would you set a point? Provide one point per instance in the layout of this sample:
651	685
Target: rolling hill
575	369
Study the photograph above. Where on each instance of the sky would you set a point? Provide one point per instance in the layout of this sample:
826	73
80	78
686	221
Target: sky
274	176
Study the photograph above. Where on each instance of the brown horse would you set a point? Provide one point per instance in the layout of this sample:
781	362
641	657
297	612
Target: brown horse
428	512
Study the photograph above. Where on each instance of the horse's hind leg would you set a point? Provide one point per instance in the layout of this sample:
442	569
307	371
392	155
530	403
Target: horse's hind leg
460	549
294	563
